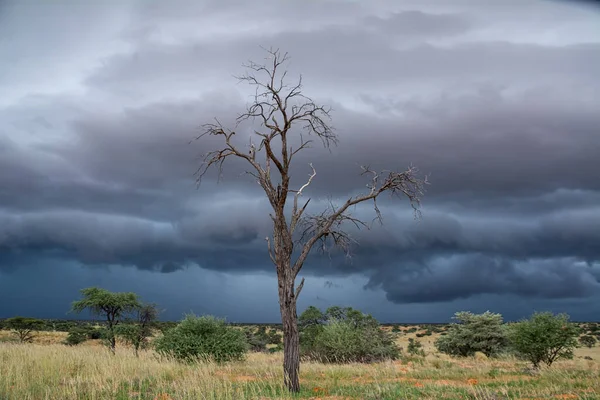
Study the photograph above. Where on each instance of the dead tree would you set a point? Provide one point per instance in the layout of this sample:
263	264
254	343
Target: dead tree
280	109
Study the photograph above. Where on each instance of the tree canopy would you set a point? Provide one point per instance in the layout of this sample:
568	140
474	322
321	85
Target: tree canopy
110	305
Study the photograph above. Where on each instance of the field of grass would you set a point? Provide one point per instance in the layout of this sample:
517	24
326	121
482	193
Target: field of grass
47	369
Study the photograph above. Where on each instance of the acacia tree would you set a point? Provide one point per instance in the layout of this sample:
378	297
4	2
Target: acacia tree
24	327
283	113
112	306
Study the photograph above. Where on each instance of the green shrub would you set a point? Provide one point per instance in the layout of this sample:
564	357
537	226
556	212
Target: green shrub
274	337
415	348
344	335
276	349
203	338
473	333
310	325
588	341
76	336
95	333
544	337
257	341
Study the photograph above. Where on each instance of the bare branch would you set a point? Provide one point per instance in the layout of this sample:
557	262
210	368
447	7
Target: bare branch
329	224
270	251
297	214
299	288
336	234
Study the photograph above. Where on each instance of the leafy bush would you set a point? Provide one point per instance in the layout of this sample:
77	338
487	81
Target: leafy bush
310	325
76	336
473	333
96	333
274	337
138	332
544	337
256	340
276	349
415	348
396	329
588	341
344	335
203	338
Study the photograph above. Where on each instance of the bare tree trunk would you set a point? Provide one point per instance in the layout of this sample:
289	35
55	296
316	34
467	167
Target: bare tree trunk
291	339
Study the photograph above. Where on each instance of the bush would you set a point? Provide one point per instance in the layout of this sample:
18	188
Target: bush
415	348
274	337
473	333
258	340
276	349
588	341
76	336
95	333
544	337
203	338
310	325
344	335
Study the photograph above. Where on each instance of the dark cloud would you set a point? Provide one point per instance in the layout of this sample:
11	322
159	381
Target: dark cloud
461	277
500	109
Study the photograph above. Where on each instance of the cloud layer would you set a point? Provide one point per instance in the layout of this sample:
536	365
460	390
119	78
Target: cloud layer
497	107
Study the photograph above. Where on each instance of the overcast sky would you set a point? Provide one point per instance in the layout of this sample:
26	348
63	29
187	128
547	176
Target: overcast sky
497	101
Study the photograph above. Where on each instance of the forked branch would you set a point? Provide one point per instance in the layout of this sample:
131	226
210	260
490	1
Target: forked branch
330	223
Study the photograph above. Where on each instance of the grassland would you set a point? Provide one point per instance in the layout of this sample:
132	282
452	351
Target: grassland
47	369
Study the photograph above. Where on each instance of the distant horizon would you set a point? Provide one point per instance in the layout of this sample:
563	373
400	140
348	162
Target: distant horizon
272	323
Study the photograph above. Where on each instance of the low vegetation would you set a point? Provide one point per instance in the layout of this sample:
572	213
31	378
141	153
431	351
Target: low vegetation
347	355
343	335
203	339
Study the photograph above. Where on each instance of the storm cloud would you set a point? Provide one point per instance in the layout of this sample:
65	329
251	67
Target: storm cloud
101	103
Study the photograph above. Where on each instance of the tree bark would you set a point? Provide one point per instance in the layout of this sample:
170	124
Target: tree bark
291	339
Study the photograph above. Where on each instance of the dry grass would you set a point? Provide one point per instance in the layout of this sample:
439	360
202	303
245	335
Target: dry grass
49	370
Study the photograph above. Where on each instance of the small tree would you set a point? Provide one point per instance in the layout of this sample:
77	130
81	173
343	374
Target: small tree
588	341
473	333
203	338
544	337
24	328
138	331
283	112
112	306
